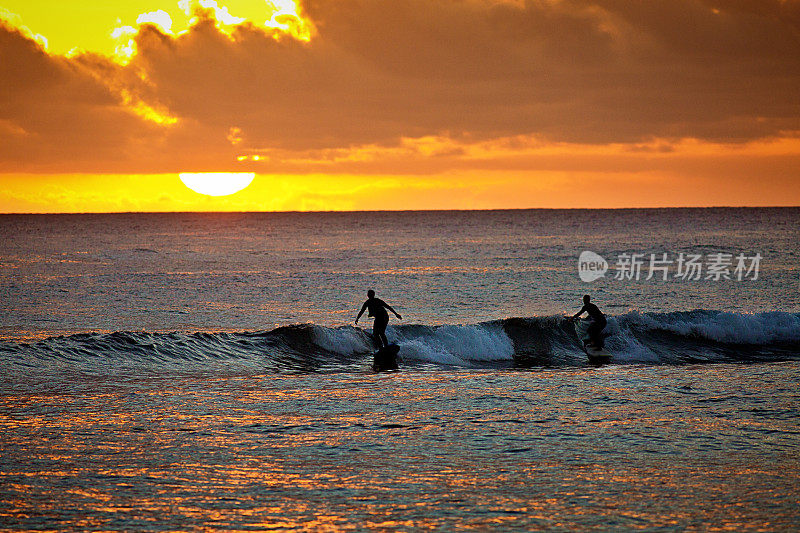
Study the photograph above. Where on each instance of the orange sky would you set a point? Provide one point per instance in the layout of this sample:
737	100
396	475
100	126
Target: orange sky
409	104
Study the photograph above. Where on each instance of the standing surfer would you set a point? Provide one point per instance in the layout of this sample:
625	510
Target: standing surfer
377	308
598	321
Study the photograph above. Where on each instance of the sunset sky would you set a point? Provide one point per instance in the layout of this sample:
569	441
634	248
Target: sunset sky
398	104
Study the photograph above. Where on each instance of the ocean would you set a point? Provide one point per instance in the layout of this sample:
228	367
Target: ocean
201	371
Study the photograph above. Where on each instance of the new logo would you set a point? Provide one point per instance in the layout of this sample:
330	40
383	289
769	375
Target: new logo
591	266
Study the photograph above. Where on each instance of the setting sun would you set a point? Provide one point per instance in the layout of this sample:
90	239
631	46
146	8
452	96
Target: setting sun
217	183
413	104
574	223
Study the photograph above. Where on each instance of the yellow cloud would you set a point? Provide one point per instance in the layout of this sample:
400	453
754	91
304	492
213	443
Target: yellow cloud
15	21
153	113
288	18
160	18
69	28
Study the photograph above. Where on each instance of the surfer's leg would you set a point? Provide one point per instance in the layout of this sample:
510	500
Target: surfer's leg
379	332
377	338
592	332
595	332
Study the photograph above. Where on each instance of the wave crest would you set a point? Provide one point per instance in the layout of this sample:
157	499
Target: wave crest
636	337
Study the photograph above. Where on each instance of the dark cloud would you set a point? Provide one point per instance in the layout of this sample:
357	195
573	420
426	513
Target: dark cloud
584	71
60	111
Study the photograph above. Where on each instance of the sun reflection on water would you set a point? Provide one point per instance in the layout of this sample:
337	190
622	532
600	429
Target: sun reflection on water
577	449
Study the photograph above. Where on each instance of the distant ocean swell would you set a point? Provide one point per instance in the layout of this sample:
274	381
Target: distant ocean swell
648	338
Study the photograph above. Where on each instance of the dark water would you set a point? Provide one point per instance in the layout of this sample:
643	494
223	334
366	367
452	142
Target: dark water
196	371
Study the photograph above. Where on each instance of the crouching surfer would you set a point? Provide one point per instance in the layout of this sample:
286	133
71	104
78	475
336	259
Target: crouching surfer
377	309
595	330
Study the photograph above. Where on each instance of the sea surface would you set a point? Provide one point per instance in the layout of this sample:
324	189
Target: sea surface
185	372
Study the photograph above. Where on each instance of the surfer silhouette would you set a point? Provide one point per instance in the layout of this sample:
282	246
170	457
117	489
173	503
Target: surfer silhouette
377	308
598	321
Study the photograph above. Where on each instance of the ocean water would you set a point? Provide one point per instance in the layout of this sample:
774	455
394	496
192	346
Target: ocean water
175	372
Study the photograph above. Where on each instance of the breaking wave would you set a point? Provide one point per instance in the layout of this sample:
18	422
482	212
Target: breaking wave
645	338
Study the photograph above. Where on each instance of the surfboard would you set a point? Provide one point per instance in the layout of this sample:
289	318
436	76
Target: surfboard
596	355
386	358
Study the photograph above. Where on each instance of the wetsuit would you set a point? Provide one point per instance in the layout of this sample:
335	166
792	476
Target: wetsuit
377	309
598	323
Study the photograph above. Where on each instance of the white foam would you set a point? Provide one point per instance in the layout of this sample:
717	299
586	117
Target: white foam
626	347
345	340
741	328
455	345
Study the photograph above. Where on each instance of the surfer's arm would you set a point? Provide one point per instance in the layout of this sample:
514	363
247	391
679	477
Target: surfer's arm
389	307
363	308
579	313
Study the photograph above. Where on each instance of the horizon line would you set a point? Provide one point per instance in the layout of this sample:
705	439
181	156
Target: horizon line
13	213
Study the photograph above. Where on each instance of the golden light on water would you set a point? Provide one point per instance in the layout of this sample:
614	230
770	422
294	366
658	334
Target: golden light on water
217	183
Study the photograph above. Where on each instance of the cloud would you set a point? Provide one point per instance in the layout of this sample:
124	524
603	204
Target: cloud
376	74
54	108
